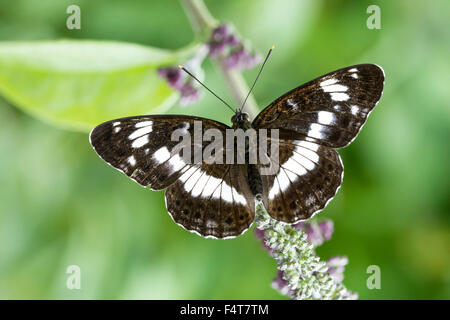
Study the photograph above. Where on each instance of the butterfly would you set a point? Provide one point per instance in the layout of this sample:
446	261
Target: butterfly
218	200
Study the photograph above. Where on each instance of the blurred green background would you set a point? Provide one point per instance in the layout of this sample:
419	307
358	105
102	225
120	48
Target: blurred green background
61	205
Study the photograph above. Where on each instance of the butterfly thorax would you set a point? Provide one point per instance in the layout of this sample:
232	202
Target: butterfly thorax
240	121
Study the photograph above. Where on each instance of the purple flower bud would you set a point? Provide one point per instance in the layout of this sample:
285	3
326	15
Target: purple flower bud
280	284
220	33
216	49
336	267
260	236
234	59
327	229
178	81
317	233
189	94
299	225
242	59
221	39
173	75
232	40
350	295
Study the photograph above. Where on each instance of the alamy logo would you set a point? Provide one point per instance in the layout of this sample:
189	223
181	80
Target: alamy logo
74	279
374	20
374	280
237	147
74	20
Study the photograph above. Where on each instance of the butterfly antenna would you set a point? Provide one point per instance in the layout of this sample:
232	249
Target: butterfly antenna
259	73
204	86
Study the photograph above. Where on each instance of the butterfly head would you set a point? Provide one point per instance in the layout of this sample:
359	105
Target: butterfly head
240	119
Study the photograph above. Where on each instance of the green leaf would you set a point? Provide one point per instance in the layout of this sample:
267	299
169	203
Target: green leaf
79	84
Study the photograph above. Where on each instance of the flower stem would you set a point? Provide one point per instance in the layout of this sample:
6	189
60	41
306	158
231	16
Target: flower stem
203	22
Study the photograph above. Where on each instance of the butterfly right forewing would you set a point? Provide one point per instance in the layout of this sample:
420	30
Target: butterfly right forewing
329	110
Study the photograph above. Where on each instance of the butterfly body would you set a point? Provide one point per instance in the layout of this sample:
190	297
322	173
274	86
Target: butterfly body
240	121
217	199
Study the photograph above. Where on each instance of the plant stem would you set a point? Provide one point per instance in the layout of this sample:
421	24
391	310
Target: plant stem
201	19
239	89
203	22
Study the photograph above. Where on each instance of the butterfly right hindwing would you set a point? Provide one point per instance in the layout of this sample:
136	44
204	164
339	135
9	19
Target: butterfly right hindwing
307	177
312	120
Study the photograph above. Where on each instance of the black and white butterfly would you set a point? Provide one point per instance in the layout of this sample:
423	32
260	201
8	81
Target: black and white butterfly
218	200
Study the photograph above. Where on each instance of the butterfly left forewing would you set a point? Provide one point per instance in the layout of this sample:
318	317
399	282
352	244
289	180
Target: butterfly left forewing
329	110
142	147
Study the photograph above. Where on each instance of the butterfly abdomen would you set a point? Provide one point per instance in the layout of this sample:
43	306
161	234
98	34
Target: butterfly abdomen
254	180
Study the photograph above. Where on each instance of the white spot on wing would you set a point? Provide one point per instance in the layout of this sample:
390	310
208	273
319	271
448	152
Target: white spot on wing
198	188
131	160
354	110
292	104
216	194
328	82
294	167
354	75
306	144
210	187
283	180
311	155
335	88
238	197
189	184
339	96
115	124
161	155
310	200
143	124
305	162
139	142
117	129
211	223
274	190
227	193
176	162
315	131
187	174
185	128
325	117
292	176
353	70
140	132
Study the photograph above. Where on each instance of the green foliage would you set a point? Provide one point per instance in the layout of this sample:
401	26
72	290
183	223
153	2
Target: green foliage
79	84
61	205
